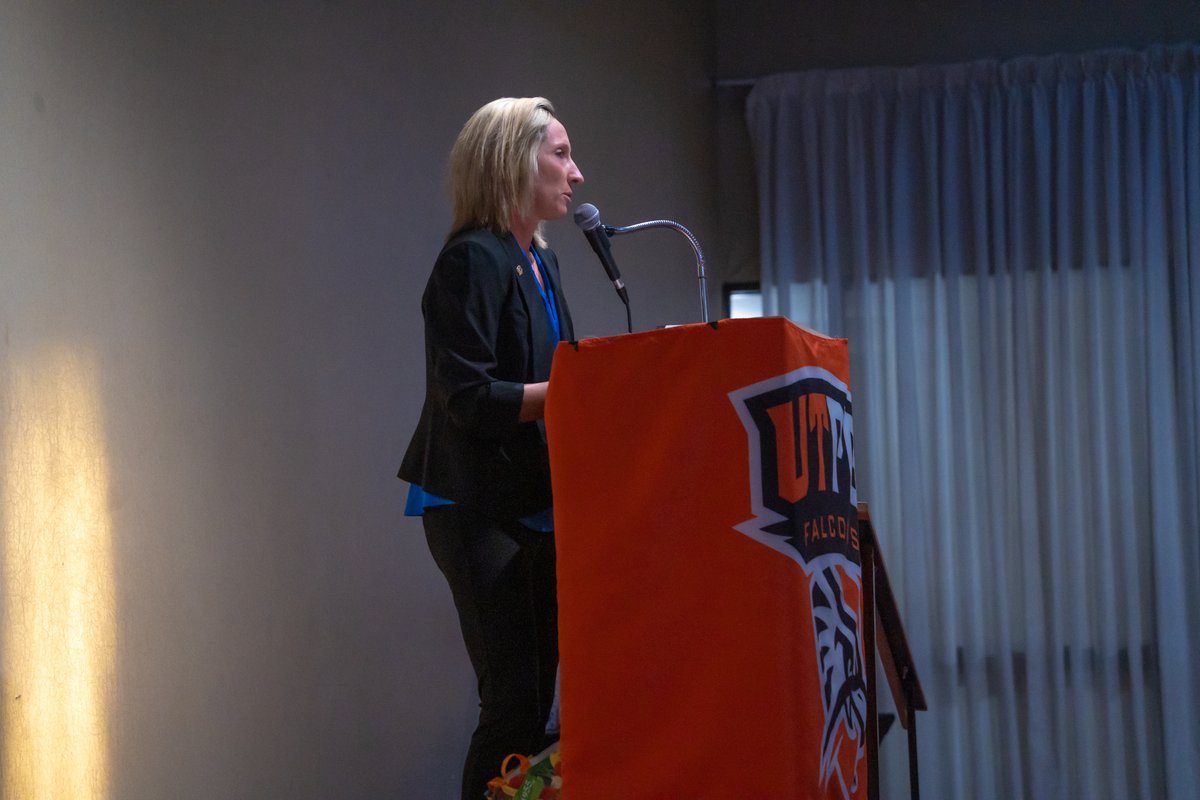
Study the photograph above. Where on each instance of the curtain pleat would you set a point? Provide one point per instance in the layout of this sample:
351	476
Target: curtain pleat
1013	251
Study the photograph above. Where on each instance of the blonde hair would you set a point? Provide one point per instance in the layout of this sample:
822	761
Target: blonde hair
494	161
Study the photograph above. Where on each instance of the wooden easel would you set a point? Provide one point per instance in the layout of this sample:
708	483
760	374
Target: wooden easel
883	633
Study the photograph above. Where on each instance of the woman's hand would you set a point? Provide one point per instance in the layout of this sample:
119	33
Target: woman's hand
533	402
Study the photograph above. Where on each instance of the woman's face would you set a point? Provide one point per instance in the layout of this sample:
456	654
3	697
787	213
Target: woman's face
557	174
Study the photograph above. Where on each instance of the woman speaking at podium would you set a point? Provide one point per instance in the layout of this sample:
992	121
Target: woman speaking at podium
478	464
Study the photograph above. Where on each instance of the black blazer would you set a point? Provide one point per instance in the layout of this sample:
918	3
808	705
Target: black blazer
486	334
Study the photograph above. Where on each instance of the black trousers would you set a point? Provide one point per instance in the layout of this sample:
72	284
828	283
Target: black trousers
503	581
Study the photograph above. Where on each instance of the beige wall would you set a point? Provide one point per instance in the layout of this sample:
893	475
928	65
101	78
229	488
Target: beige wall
215	224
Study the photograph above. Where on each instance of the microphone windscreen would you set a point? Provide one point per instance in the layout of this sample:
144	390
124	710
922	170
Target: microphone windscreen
587	216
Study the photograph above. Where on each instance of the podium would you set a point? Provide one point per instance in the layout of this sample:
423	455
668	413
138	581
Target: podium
709	567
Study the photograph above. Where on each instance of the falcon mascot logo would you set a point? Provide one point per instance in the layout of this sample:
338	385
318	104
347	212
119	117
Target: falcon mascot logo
805	504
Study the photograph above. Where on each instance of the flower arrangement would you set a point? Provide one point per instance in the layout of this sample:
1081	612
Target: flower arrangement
536	778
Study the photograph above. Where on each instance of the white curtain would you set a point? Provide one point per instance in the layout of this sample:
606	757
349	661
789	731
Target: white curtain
1013	251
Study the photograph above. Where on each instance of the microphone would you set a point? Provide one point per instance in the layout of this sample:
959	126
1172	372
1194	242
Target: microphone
587	217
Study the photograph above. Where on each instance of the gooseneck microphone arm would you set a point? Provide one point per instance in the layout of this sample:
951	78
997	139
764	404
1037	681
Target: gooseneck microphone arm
666	223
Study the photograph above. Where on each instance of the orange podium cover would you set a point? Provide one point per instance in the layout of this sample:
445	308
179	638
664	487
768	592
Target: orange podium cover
708	565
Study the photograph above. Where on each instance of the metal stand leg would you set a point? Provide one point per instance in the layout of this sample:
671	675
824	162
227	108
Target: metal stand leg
914	785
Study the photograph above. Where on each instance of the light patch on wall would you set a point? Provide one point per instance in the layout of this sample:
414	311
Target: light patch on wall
56	584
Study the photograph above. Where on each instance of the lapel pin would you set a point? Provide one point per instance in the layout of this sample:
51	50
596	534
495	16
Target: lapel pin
520	270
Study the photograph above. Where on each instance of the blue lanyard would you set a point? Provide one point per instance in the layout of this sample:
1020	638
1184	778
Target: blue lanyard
547	293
